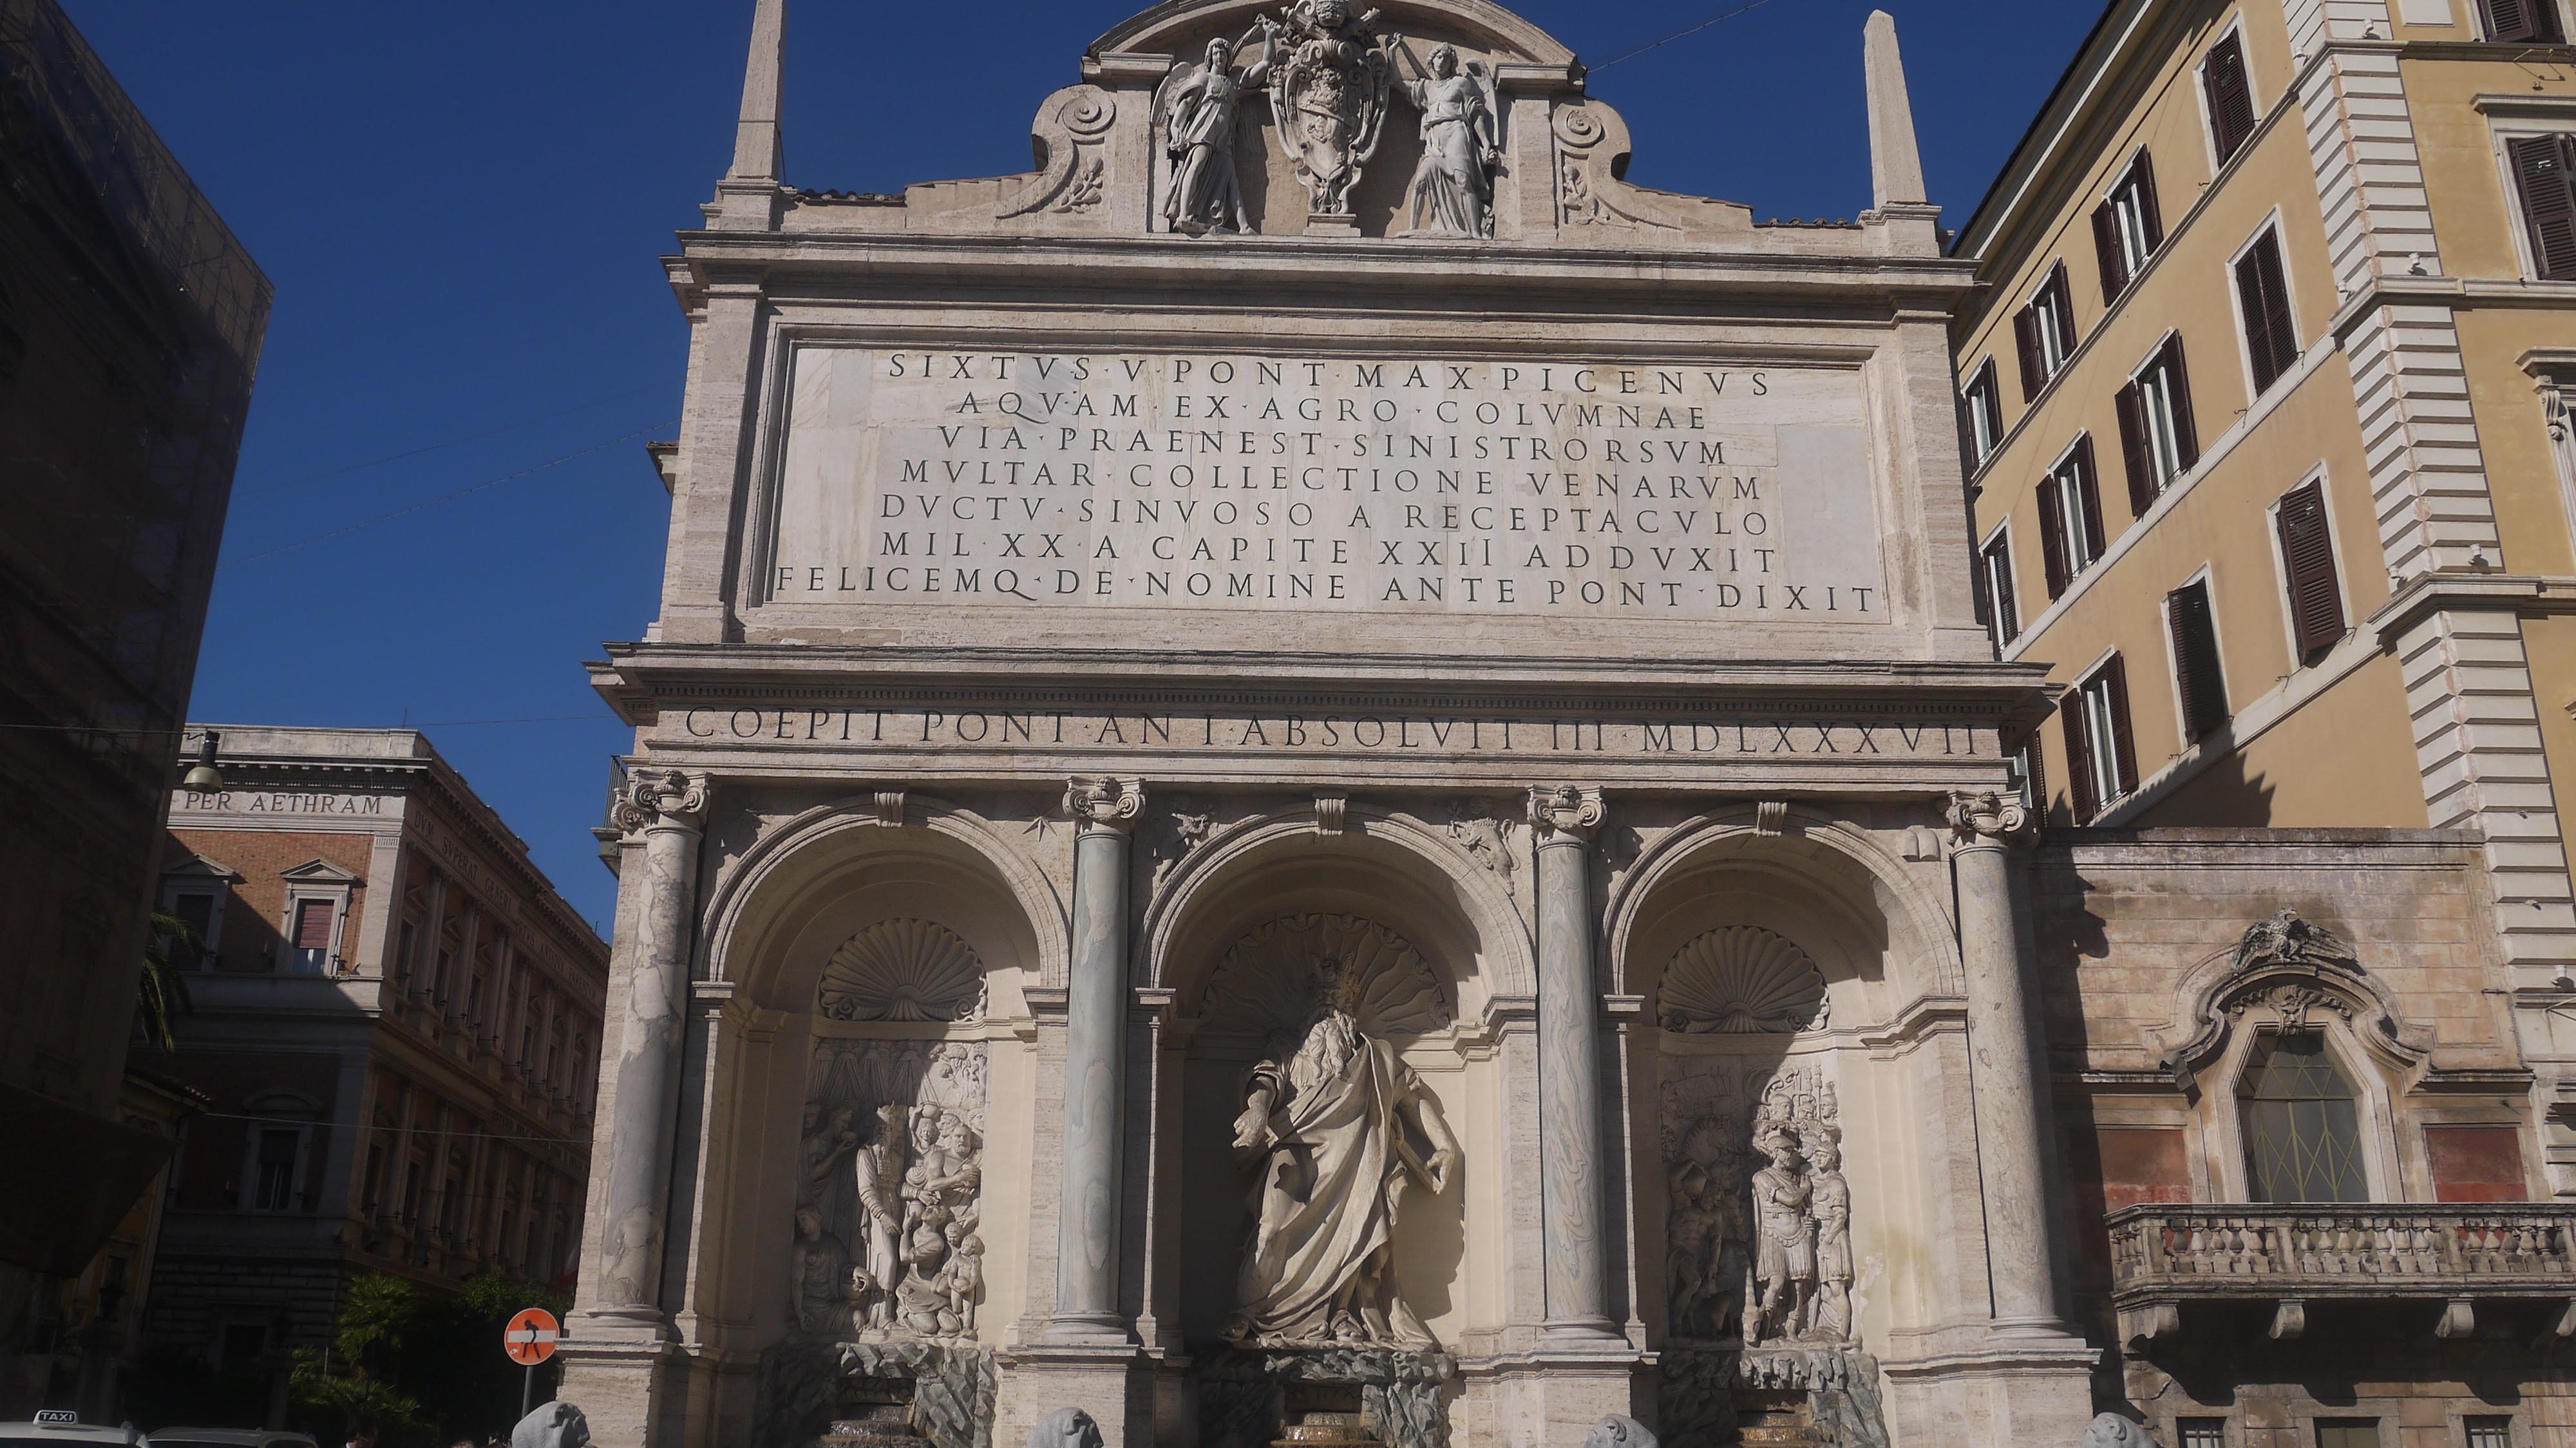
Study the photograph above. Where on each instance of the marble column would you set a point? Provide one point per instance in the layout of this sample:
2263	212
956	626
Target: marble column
1087	1215
668	807
2007	1083
1571	1175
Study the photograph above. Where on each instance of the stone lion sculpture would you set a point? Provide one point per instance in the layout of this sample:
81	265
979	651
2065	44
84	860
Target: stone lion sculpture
1063	1428
556	1424
1615	1431
2110	1430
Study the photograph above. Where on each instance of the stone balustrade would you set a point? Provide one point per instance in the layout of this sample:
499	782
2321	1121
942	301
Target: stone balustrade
2163	1256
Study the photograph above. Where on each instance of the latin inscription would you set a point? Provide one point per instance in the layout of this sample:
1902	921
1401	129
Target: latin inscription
278	802
1397	487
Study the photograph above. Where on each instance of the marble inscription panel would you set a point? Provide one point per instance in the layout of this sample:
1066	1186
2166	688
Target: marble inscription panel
1140	480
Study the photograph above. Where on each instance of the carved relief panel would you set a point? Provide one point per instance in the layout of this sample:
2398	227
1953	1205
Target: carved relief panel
1758	1217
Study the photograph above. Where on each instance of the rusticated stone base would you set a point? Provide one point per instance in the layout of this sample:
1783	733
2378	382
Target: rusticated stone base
1249	1397
810	1387
1712	1396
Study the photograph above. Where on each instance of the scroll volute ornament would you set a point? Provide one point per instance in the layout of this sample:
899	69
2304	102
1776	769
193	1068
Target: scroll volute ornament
1565	812
673	797
1103	802
1990	818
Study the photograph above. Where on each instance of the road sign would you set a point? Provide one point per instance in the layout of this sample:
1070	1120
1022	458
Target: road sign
530	1337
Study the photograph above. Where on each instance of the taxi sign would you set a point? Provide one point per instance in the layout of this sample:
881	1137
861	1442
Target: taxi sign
58	1416
530	1337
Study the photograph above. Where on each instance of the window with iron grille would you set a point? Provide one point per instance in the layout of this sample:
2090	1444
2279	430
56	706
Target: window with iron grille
2201	1432
2128	227
2263	297
2159	440
2070	517
2302	1125
2230	94
2487	1432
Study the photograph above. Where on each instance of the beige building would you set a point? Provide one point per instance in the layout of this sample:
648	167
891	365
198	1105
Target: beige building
2271	464
394	1026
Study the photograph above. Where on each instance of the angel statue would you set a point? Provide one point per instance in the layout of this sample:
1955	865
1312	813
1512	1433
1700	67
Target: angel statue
1329	99
1196	107
1453	188
1329	1129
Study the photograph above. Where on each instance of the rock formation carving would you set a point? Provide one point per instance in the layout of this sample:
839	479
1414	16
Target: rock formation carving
1066	1428
1329	1127
1741	981
892	1211
1757	1254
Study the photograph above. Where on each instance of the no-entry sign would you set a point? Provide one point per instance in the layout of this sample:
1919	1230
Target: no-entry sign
530	1337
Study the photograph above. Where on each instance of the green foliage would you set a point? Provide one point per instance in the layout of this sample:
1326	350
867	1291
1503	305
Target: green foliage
420	1369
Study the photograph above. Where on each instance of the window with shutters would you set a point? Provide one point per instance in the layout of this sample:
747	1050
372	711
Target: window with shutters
2101	755
2070	517
2159	440
2523	20
2127	227
2315	591
2028	779
2044	332
1981	412
311	942
2200	687
1995	604
2228	93
2263	306
273	1188
2544	173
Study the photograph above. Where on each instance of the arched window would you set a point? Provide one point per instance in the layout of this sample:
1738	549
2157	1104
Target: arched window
2302	1127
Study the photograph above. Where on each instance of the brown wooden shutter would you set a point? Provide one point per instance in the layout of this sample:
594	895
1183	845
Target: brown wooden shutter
2026	341
2079	757
2540	164
2124	749
1999	572
2186	431
2052	537
2231	97
2521	20
2035	761
2133	449
313	925
2065	310
2197	675
2106	249
2263	291
2307	554
2144	169
2092	496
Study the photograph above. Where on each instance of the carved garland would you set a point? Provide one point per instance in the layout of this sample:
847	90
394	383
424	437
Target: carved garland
902	970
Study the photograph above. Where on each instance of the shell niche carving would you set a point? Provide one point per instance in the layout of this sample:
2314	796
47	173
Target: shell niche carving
1742	981
1273	979
902	970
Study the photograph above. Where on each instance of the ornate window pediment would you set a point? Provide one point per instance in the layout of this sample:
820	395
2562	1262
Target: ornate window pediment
2291	975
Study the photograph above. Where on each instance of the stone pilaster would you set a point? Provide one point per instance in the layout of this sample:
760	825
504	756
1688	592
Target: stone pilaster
1562	819
2011	1110
1087	1218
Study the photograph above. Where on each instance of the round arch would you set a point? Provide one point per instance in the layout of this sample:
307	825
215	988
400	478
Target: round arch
1862	905
1385	867
813	881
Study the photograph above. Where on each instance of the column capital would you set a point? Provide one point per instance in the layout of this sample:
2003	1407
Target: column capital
1564	813
670	799
1103	802
1990	821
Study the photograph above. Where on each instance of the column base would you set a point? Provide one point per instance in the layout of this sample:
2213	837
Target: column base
620	1387
1546	1399
2026	1384
1110	1381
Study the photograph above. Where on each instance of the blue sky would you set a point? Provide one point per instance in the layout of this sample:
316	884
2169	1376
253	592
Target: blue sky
463	207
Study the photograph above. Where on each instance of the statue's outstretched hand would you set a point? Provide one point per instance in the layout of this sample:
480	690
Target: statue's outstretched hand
1438	1168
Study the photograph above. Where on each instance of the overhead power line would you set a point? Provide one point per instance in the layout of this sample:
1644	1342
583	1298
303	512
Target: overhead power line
1680	35
446	443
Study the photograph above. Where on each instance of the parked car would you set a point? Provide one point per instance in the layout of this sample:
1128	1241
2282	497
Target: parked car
62	1429
228	1438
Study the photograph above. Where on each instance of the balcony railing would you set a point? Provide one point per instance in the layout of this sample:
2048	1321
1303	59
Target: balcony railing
2453	1253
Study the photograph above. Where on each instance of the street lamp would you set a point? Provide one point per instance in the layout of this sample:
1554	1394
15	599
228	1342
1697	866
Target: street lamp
202	776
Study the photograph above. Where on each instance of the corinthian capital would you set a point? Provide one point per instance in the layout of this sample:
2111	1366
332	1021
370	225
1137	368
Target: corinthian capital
1103	802
669	797
1564	811
1989	818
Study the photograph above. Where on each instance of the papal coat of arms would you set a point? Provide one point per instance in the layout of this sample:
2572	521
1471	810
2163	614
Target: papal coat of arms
1329	97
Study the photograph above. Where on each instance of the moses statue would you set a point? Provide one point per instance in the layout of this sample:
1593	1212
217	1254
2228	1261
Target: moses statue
1330	1130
